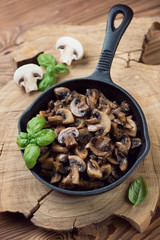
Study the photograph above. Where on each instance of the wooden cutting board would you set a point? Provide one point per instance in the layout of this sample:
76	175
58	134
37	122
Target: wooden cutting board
20	191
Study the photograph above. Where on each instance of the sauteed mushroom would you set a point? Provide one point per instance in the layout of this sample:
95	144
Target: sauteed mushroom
77	165
94	139
79	106
67	136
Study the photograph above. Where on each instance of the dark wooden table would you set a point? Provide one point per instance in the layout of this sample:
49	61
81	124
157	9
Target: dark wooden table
17	16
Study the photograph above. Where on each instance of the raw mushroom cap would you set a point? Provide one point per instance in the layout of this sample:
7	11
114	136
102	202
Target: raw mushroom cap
27	76
70	48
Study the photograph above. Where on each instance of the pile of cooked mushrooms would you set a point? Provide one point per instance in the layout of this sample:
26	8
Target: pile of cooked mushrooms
95	138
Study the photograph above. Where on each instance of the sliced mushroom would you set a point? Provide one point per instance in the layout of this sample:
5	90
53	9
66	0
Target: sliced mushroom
100	145
84	136
59	163
135	143
106	170
93	169
55	178
79	106
47	163
125	107
117	132
63	116
77	165
92	97
124	146
131	130
104	124
63	94
81	151
27	76
68	137
123	164
58	148
70	49
58	129
67	180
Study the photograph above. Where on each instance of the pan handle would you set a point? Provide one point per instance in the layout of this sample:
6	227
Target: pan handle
112	38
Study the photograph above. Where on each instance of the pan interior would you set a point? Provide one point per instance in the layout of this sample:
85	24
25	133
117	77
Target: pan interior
112	92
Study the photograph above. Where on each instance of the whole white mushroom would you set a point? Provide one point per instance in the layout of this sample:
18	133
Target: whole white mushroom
27	76
70	49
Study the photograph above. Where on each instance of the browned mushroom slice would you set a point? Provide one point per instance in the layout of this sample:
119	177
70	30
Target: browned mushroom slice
81	151
62	116
135	143
68	137
119	114
116	172
55	178
125	107
100	145
117	132
79	123
57	105
123	164
104	122
47	163
112	160
77	165
93	169
106	170
130	128
84	136
59	162
92	97
58	129
124	145
67	180
43	157
58	148
63	94
79	106
43	114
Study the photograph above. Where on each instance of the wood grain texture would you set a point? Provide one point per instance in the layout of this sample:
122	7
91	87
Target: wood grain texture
33	199
18	16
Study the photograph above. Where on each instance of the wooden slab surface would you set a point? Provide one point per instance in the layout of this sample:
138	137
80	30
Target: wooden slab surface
21	192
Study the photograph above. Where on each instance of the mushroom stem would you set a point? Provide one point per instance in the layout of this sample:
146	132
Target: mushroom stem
75	174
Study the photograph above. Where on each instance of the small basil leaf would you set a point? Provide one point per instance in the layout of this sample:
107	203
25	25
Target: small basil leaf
31	154
45	137
47	81
32	141
46	59
23	135
60	68
50	68
35	125
138	191
22	140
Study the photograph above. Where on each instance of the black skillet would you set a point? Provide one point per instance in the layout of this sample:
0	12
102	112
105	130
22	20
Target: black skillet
100	79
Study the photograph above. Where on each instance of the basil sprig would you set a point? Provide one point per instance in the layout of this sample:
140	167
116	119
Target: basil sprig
138	191
49	63
35	137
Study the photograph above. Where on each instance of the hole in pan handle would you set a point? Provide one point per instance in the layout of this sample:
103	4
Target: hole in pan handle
112	38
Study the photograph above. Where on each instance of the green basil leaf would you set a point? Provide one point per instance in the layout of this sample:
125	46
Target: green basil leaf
45	137
138	191
22	140
35	125
60	68
50	68
31	154
47	81
46	59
